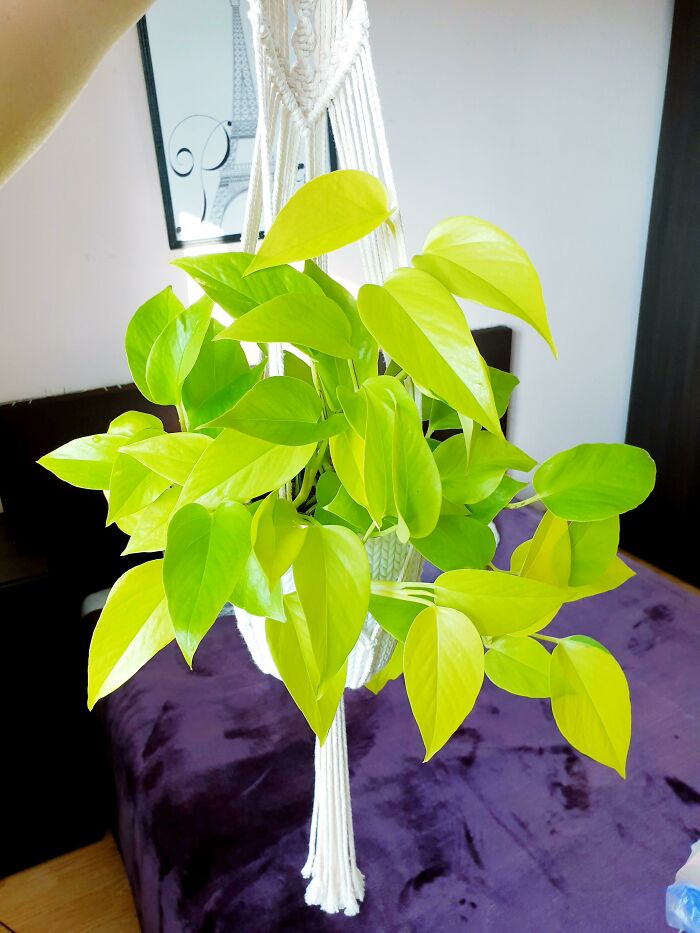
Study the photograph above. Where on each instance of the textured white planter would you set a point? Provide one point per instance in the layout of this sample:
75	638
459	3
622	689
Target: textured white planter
388	560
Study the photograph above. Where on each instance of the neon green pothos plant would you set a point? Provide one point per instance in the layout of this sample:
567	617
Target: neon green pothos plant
298	470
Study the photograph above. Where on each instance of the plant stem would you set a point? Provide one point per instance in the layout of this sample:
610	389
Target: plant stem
366	535
319	388
554	641
310	474
181	416
523	502
353	375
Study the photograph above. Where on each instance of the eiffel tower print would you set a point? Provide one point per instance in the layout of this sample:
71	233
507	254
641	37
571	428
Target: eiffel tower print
234	175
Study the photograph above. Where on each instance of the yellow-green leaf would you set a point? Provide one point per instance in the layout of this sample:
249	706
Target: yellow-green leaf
443	661
254	593
365	362
348	454
222	277
326	213
205	555
391	670
148	529
473	475
170	455
175	352
237	466
132	487
281	409
614	575
219	364
331	574
518	665
591	702
593	549
477	261
289	646
277	533
548	558
498	603
133	627
133	424
457	542
312	321
85	462
593	482
420	325
145	327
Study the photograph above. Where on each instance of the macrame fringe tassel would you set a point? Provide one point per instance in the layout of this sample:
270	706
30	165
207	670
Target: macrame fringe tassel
336	882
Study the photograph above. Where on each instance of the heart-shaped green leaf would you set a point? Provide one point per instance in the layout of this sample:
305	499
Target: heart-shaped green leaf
365	362
283	410
254	593
132	487
518	665
443	662
170	455
85	462
148	529
593	549
237	466
420	325
593	482
497	603
326	213
219	364
348	455
394	615
391	670
224	399
591	702
221	276
277	534
548	558
205	555
290	649
133	627
331	574
312	321
476	260
457	542
175	352
487	509
146	325
473	476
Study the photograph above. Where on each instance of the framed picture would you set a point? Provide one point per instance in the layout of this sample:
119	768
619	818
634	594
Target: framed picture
200	78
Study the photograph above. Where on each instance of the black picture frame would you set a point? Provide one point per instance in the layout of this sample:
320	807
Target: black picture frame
175	241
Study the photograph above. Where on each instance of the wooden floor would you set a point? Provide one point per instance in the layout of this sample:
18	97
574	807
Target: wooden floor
82	892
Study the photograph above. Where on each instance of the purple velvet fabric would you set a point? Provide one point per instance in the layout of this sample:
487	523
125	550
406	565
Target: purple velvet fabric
506	829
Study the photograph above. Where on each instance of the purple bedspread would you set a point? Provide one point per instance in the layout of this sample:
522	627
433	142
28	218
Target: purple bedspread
506	829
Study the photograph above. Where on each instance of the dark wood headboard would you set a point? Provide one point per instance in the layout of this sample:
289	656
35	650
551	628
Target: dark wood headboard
46	516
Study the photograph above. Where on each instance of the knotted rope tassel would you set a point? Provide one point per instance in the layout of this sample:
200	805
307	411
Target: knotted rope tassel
336	882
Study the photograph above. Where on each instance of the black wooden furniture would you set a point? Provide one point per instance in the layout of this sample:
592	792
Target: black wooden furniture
54	550
664	414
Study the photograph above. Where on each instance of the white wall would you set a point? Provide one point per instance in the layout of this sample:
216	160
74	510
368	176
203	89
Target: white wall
540	116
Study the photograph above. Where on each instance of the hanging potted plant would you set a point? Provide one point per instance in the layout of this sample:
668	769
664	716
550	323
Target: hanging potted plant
310	498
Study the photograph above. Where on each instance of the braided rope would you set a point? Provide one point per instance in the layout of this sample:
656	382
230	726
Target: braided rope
333	78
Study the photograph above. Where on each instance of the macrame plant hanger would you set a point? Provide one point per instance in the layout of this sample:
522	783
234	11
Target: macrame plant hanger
327	74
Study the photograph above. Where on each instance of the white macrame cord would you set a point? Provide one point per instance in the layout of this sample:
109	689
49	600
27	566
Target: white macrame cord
328	73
